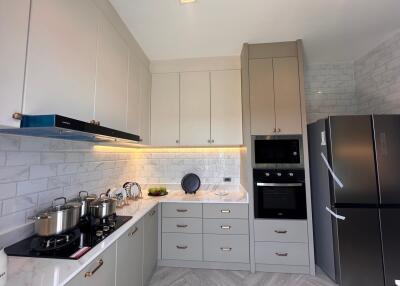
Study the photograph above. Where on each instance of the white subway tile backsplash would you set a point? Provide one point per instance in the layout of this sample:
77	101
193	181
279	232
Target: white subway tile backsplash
13	173
52	158
18	204
9	143
43	171
2	158
22	158
32	186
48	196
8	190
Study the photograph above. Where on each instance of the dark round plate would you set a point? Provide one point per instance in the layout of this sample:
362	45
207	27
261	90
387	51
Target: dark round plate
190	183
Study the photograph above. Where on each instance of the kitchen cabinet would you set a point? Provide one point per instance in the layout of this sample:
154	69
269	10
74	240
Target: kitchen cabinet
14	19
61	62
275	96
150	244
287	95
130	257
165	109
133	107
195	108
226	108
112	78
145	94
101	271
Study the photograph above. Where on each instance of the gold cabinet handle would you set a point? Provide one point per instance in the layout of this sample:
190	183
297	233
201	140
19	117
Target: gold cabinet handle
181	246
226	248
134	231
226	211
281	254
182	225
91	273
226	227
281	231
181	210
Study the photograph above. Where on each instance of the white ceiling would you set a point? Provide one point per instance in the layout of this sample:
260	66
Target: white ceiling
332	30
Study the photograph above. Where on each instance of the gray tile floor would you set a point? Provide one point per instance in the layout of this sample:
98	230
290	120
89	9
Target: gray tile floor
167	276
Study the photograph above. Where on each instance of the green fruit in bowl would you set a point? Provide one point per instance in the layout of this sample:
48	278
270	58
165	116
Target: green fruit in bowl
157	191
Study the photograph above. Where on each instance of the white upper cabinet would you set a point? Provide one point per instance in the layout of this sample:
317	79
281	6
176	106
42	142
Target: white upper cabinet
112	78
145	94
61	59
287	95
14	19
226	108
165	109
262	98
195	108
133	106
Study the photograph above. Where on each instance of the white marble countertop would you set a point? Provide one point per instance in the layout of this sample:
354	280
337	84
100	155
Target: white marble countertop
23	271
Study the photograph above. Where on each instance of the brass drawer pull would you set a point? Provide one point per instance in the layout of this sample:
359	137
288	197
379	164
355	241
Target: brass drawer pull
226	248
281	231
181	210
226	211
181	246
181	225
133	232
90	273
281	254
226	227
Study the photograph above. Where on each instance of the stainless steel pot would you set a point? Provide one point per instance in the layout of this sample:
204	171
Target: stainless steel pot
85	201
57	219
103	207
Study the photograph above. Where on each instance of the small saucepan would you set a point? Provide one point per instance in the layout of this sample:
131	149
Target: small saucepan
85	200
103	207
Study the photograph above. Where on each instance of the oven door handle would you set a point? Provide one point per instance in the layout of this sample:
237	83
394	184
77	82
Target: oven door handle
279	184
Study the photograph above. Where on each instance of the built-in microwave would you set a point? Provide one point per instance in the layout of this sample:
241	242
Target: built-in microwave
277	151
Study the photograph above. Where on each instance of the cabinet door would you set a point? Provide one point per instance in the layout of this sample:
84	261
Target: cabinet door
226	108
99	272
130	257
145	94
134	110
262	102
287	95
195	108
14	18
150	244
112	78
61	63
165	109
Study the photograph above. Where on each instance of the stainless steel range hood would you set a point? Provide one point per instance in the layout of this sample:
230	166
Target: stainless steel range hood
60	127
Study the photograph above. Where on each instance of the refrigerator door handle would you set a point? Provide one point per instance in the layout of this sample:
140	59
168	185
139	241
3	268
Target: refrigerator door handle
337	180
335	214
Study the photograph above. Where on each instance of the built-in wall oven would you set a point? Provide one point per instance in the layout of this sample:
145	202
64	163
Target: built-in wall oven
279	193
278	151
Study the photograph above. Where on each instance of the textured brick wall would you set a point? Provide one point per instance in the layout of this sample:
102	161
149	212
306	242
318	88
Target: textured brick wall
377	77
34	171
329	90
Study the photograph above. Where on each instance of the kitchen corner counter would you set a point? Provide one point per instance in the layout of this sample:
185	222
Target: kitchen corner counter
26	271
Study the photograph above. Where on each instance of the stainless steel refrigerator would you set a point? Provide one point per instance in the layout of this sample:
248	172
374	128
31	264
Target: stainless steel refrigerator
355	187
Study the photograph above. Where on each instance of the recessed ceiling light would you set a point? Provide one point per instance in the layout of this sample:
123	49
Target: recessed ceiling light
187	1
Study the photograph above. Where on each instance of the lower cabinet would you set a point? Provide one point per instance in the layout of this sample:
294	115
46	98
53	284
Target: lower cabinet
205	235
101	271
129	268
150	244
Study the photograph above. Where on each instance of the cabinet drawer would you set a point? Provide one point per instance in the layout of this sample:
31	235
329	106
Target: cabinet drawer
181	210
225	210
226	248
283	253
182	246
281	230
226	226
101	271
182	225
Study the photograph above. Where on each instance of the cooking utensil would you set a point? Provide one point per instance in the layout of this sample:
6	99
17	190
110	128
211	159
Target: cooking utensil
85	202
190	183
102	207
57	219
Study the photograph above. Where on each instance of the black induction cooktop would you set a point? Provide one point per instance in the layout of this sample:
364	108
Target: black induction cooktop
70	245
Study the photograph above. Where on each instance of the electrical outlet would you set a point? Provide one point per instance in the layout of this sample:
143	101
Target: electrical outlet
227	179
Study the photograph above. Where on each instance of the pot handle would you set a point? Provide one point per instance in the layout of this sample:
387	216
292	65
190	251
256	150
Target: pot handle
60	198
103	194
83	192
